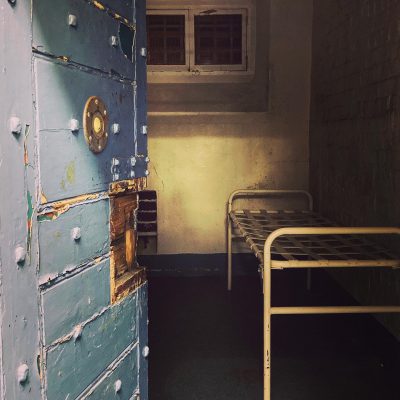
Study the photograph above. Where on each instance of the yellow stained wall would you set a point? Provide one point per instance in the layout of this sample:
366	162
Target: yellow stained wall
198	158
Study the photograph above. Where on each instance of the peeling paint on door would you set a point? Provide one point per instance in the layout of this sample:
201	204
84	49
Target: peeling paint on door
64	332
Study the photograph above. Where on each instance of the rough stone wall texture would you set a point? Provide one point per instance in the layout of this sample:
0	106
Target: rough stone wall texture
355	127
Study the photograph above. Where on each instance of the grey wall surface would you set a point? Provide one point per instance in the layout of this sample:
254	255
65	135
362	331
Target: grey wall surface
355	121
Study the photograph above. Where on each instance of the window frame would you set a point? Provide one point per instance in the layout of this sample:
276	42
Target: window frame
219	67
171	67
190	69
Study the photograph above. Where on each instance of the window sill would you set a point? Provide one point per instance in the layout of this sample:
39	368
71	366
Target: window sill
183	114
199	76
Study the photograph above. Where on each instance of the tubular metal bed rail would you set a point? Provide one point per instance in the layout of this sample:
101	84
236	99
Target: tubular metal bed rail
260	192
269	310
255	193
309	231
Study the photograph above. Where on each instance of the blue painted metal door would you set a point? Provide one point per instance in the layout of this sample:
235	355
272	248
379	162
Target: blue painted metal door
73	156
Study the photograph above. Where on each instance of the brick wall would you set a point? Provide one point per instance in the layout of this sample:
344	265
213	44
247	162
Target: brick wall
355	126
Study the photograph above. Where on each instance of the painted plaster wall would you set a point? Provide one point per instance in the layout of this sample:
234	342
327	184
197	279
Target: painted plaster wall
213	139
355	120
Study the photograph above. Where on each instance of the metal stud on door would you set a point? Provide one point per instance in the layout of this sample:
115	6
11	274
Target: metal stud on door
80	327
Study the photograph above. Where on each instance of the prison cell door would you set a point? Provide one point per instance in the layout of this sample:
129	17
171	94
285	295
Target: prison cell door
73	156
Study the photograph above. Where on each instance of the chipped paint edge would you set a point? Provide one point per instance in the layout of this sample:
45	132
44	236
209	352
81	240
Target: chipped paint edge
113	14
70	335
108	371
44	350
48	281
51	211
69	63
128	186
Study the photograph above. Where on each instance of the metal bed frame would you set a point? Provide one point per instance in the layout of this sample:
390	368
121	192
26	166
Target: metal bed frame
302	239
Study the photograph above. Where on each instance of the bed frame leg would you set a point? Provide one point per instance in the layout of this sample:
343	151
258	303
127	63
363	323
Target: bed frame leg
267	335
229	242
267	357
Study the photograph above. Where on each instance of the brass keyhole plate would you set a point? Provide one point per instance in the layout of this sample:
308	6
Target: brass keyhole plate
95	124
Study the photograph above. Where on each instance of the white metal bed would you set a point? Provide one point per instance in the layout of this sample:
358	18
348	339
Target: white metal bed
302	239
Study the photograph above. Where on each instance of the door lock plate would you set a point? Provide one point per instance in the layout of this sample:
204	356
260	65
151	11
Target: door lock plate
95	124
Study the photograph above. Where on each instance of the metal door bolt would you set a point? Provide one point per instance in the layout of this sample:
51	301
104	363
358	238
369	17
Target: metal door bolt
115	128
117	386
74	125
143	52
146	351
147	159
115	169
147	172
72	20
22	374
15	125
114	41
20	255
76	233
144	129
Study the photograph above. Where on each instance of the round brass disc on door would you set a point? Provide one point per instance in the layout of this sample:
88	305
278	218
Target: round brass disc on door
95	124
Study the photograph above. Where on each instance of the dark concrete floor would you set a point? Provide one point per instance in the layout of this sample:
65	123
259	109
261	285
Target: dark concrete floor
206	343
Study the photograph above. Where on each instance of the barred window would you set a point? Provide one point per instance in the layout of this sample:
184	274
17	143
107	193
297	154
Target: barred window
166	39
197	40
218	39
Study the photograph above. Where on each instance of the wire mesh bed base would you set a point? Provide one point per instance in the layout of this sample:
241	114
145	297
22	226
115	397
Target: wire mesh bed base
303	239
298	250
